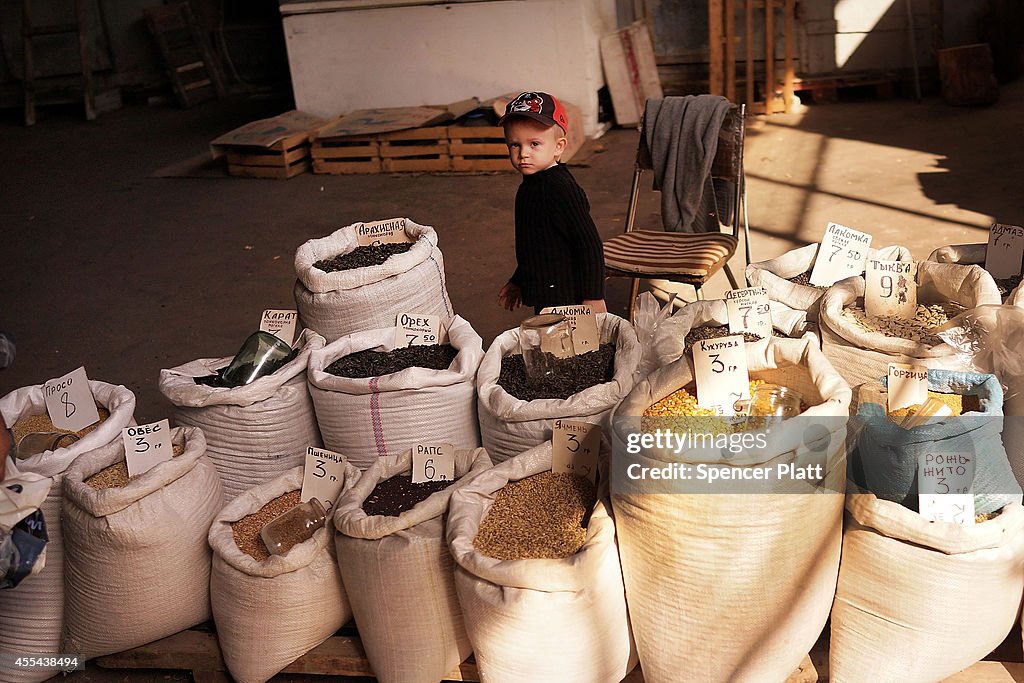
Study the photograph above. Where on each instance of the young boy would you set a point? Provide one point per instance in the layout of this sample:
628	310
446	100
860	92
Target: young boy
559	257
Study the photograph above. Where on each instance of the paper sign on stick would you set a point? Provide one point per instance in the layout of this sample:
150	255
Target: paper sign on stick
280	323
414	329
907	385
890	288
322	476
391	231
146	446
945	484
433	462
749	311
841	255
575	447
721	369
585	335
1005	251
69	401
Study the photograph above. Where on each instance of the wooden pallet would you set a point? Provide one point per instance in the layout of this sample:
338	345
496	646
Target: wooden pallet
355	154
416	149
825	89
282	160
478	148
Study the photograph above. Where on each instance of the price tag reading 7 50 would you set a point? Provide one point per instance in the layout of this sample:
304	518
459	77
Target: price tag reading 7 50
417	330
749	311
842	254
720	366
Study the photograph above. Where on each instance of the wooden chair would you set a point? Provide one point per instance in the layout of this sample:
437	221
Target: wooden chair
691	258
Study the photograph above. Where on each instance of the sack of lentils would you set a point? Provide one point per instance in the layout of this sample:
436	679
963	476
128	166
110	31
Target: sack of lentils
694	553
374	400
344	288
887	624
123	535
391	551
253	432
272	609
515	416
32	615
540	586
974	254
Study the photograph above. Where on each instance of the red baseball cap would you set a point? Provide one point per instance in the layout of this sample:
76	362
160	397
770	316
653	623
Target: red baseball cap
538	106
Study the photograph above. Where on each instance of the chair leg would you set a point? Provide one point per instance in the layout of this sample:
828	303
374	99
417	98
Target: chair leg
699	293
631	307
732	278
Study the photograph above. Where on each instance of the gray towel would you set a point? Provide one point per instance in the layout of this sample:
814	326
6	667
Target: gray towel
681	138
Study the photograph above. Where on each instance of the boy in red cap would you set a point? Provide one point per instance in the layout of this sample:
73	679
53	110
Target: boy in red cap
559	256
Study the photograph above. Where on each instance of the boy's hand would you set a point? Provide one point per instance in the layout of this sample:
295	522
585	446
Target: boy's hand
510	297
598	305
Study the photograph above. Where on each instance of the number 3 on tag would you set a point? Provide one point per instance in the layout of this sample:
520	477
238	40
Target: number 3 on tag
433	462
575	447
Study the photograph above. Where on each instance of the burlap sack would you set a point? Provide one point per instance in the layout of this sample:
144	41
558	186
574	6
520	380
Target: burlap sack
32	615
973	254
253	432
537	620
920	600
270	613
403	563
372	417
344	302
136	561
509	426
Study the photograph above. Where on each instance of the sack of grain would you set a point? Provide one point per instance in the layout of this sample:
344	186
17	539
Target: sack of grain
122	541
509	426
552	620
920	600
269	613
371	417
974	254
32	615
253	432
403	562
340	303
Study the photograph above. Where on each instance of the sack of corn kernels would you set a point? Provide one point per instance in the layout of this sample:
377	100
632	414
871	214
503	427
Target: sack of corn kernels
32	615
366	418
511	425
341	302
253	432
920	600
562	618
700	561
271	610
402	561
122	537
974	254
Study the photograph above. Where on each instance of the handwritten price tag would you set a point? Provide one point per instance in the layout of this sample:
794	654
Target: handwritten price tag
907	385
146	446
281	323
842	254
945	484
890	288
1005	251
575	447
390	231
433	462
69	401
323	476
721	369
585	335
749	311
417	330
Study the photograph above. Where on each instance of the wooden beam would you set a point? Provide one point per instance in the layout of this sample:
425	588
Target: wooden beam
748	40
716	80
769	56
788	95
730	50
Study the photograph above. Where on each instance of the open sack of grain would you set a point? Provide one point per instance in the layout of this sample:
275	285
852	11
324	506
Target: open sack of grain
270	611
368	298
136	560
32	615
368	417
510	425
398	573
552	608
974	254
732	580
253	432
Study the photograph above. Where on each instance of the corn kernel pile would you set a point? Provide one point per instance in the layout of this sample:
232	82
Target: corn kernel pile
682	403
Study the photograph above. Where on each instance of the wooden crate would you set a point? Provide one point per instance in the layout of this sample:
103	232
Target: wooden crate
282	160
478	148
417	149
354	154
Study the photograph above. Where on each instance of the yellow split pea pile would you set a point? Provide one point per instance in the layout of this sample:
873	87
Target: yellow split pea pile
957	403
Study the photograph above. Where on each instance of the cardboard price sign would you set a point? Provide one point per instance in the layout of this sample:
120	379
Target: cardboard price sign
417	330
1005	251
945	484
841	254
323	476
69	401
433	462
146	446
721	369
575	447
749	311
280	323
890	288
907	385
583	321
390	231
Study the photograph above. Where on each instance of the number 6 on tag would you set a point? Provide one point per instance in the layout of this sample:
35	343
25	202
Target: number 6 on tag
433	462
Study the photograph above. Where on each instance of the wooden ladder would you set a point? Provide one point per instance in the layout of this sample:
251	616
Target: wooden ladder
29	32
193	71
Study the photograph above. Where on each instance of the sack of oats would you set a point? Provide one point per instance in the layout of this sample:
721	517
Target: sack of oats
694	551
391	551
344	288
918	600
121	537
374	400
272	609
516	415
1009	288
540	588
32	615
253	432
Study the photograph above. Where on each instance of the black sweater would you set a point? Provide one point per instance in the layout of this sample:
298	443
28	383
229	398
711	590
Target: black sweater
560	260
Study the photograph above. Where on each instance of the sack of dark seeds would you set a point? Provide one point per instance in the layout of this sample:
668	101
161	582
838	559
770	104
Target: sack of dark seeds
344	288
974	254
513	419
253	432
374	400
391	551
32	615
122	537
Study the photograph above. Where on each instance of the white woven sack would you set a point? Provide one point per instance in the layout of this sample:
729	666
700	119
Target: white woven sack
32	615
372	417
973	254
403	563
270	613
889	623
670	337
253	432
509	426
340	303
136	560
727	586
558	620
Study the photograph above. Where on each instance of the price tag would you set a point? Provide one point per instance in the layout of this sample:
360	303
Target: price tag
146	446
575	447
907	385
280	323
417	330
1005	251
322	476
390	231
721	369
585	335
945	483
433	462
69	401
842	254
749	311
890	288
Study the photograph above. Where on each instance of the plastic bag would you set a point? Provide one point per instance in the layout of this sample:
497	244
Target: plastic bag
987	339
23	534
647	318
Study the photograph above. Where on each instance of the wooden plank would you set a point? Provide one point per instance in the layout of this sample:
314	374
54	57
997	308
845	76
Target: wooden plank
716	80
730	50
440	163
274	172
990	672
346	167
646	62
618	65
483	149
748	40
479	165
199	650
439	134
788	95
769	56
